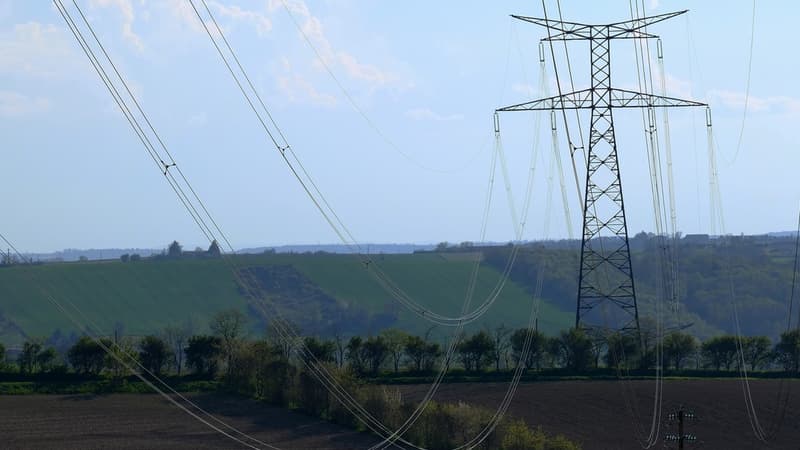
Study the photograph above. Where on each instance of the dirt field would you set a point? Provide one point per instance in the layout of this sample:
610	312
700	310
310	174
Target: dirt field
130	421
595	412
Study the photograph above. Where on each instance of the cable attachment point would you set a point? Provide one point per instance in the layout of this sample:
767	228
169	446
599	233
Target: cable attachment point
553	120
496	123
283	149
708	116
541	52
651	118
660	49
167	166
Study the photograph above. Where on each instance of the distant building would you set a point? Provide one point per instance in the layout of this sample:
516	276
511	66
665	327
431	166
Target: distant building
697	239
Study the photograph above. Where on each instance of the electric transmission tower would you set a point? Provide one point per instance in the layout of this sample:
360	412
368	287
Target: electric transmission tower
606	275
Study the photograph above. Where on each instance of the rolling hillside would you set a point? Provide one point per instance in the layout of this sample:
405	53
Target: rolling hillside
321	293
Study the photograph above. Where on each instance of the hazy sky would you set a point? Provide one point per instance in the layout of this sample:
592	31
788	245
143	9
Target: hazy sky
427	74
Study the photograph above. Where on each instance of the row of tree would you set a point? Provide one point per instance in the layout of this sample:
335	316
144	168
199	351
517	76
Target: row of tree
267	370
395	351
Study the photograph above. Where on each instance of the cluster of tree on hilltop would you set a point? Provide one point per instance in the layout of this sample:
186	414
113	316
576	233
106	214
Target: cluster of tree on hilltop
759	267
175	251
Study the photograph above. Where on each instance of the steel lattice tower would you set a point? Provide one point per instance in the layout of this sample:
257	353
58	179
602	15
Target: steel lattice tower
606	274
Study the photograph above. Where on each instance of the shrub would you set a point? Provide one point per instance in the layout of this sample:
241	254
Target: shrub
517	436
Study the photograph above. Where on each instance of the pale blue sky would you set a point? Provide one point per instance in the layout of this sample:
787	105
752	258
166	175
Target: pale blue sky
429	74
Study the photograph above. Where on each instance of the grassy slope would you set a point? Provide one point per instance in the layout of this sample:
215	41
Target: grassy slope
437	282
147	296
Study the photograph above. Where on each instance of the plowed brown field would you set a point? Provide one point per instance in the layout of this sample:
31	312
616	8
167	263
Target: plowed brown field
597	413
144	421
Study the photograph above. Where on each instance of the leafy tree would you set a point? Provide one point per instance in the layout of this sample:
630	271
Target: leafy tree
125	257
136	257
477	351
432	352
46	359
677	347
202	354
174	250
415	349
154	353
517	436
321	350
27	359
354	353
395	343
87	356
575	349
213	249
621	349
536	351
787	350
121	354
228	326
375	352
756	351
421	354
2	355
720	351
260	370
35	357
560	442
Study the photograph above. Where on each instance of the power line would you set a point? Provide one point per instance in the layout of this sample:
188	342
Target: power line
747	85
338	226
371	123
318	371
348	402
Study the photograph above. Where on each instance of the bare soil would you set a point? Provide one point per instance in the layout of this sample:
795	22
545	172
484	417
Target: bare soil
598	414
145	421
609	414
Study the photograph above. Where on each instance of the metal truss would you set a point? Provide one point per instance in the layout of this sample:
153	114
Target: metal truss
620	98
606	273
574	31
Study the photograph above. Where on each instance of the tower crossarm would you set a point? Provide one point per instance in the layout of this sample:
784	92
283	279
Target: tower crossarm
572	31
619	98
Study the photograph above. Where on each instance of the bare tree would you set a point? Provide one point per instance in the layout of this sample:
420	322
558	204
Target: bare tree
340	344
501	344
228	326
176	338
285	344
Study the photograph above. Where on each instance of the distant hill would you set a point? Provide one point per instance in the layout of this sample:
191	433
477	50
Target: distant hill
321	293
756	269
74	254
325	292
335	248
92	254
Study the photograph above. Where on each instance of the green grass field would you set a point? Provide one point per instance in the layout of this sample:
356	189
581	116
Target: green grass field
148	295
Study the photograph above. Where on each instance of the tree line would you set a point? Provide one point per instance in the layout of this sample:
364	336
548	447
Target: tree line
270	370
760	268
393	351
